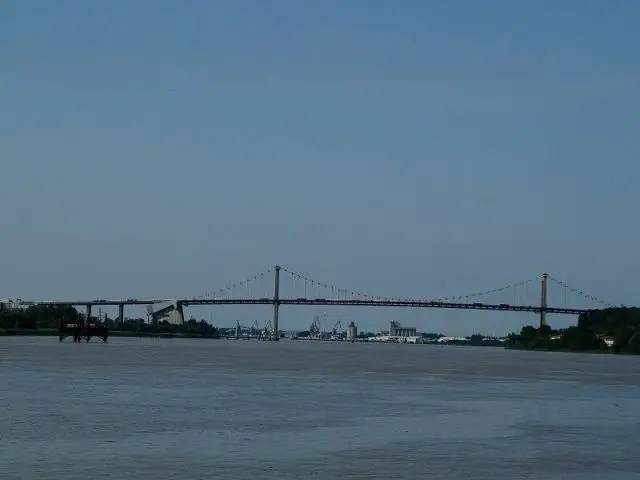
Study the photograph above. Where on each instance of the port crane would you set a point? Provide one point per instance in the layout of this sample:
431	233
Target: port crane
315	330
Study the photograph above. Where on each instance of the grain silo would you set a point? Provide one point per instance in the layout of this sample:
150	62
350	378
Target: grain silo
352	331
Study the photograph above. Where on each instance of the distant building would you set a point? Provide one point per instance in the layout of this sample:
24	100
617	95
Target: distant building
609	341
165	311
446	339
352	331
397	330
12	304
431	337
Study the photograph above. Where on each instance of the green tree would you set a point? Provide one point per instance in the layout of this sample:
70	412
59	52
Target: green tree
528	335
622	337
634	344
580	338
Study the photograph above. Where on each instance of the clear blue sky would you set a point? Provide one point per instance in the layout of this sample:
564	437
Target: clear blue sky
417	148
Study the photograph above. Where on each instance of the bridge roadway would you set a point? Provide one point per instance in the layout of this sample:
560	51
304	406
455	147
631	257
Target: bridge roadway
388	303
329	302
131	301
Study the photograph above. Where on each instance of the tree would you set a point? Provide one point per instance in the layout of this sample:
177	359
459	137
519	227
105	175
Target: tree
623	324
634	344
623	337
528	334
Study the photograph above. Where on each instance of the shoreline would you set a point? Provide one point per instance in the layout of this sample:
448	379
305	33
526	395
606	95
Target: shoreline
53	332
566	350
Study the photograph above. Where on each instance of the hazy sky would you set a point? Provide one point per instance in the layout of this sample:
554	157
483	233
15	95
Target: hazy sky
412	148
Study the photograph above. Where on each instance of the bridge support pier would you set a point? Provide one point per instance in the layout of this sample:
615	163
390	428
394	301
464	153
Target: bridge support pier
543	300
276	303
121	314
88	319
180	312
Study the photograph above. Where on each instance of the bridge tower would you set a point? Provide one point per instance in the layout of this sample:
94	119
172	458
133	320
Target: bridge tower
543	300
276	303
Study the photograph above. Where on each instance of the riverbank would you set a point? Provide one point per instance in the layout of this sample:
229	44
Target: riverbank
52	332
612	331
602	351
566	350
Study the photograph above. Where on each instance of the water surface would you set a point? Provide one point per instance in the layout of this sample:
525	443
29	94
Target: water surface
192	409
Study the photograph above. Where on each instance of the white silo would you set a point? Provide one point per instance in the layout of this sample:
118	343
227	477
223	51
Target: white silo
352	331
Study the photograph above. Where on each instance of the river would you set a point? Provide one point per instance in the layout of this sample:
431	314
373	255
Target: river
199	409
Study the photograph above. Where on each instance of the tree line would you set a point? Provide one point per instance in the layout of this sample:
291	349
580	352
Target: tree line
49	317
611	329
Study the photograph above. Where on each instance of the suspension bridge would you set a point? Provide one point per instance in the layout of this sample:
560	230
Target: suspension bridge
279	286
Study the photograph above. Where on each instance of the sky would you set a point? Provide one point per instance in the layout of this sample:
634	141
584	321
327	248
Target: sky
419	148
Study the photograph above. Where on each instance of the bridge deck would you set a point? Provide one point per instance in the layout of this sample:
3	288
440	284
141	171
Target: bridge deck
329	302
386	303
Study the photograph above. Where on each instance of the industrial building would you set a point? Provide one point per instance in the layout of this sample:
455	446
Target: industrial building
12	304
397	330
352	331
